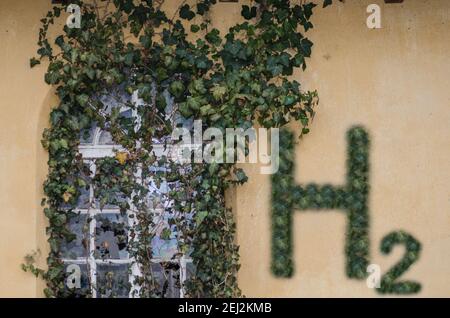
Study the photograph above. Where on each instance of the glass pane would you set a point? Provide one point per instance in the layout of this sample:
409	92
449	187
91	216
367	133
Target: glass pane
167	279
76	281
113	281
105	138
83	199
158	194
111	236
77	248
127	113
164	242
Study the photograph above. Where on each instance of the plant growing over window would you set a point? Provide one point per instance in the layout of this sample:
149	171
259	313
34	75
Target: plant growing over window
165	71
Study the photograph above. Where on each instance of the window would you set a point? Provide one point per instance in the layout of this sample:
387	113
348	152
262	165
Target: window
102	230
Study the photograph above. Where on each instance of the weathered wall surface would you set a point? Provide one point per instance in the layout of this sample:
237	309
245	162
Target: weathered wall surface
394	81
25	101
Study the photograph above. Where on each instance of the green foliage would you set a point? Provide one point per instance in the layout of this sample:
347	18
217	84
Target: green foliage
227	80
351	198
388	281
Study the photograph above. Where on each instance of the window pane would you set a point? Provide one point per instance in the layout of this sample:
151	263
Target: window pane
113	281
105	138
77	248
76	282
111	236
167	279
83	199
164	243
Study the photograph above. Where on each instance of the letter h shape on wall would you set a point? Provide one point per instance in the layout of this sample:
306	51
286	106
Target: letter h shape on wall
352	198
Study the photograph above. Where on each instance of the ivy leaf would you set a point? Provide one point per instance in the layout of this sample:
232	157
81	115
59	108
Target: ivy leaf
90	73
59	41
218	92
308	9
129	59
52	77
176	88
54	272
82	99
122	157
165	234
186	12
203	7
146	41
45	51
289	100
198	86
200	216
275	69
240	175
206	110
63	144
67	196
248	13
202	62
213	37
34	62
306	47
185	111
326	3
195	28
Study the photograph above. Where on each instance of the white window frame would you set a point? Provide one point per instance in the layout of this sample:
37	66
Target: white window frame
91	152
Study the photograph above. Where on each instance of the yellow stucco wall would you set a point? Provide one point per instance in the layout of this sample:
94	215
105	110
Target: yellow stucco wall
25	101
394	81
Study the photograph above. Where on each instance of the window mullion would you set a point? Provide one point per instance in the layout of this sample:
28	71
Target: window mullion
132	222
92	226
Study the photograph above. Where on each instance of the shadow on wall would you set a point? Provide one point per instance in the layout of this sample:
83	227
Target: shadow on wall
41	172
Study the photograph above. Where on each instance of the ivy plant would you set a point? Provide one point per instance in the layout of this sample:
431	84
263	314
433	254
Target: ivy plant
233	79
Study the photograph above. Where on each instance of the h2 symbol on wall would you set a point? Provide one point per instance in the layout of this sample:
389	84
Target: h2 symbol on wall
352	198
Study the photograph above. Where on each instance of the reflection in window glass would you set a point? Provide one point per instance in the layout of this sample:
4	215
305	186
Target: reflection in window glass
111	236
167	279
101	231
113	281
83	199
77	248
105	138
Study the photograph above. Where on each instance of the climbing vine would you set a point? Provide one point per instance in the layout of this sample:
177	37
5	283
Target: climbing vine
179	66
